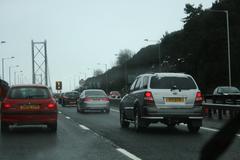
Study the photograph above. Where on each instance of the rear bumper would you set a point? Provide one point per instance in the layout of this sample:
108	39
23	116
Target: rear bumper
173	113
94	108
29	118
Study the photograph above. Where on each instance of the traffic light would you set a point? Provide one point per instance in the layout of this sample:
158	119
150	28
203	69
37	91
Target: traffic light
58	85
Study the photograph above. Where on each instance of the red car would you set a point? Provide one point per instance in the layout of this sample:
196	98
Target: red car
29	105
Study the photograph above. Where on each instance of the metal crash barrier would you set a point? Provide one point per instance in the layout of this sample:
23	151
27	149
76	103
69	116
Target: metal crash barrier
221	105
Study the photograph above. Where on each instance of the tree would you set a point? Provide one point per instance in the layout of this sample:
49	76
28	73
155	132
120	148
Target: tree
123	56
192	12
97	72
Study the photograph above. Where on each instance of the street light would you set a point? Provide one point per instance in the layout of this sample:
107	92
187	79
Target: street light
159	54
7	58
228	42
15	76
10	72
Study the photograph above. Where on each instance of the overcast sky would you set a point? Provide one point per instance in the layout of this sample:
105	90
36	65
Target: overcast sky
82	33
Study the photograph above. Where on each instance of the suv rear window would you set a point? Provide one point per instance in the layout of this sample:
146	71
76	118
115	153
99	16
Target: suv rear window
169	82
28	92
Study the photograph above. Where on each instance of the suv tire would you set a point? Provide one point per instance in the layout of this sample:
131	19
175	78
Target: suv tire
123	123
193	129
139	123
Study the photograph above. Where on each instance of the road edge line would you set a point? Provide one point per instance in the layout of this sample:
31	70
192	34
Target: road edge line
128	154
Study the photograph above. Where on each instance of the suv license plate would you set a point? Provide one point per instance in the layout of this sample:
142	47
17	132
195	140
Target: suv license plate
174	100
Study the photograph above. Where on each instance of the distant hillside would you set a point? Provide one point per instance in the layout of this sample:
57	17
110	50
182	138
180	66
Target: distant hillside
199	49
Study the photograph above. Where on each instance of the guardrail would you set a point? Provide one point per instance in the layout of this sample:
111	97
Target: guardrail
222	105
213	105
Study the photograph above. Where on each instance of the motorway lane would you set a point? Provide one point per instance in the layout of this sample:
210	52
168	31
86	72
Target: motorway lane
157	142
71	142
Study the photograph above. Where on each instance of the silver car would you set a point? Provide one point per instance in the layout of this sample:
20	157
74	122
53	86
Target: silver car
93	100
170	98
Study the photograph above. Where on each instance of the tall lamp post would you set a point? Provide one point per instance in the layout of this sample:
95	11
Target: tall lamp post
10	67
159	52
3	59
228	43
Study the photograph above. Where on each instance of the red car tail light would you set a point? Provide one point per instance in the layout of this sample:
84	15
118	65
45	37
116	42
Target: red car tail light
105	99
6	105
87	99
199	98
148	98
52	105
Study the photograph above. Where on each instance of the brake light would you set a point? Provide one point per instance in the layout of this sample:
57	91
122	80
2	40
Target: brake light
87	99
148	98
104	99
7	105
199	98
52	105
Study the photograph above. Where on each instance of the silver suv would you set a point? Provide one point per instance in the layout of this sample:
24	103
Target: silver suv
170	98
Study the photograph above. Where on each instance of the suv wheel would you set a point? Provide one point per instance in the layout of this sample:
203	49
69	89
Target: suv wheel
193	129
4	127
138	122
123	123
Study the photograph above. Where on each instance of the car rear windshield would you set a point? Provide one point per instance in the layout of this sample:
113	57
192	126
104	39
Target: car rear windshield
71	94
29	92
170	82
95	93
230	90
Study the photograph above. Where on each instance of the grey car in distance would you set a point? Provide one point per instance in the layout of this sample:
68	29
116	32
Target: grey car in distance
169	98
93	100
226	90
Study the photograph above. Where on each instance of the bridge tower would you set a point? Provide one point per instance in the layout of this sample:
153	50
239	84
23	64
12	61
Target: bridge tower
39	63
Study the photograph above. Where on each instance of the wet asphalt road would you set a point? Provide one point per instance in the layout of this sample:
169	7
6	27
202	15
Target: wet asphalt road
99	136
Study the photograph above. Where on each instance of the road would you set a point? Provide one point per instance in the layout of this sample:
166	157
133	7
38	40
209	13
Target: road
99	136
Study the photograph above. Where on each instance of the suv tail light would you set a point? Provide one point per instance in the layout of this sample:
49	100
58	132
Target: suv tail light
52	105
6	105
199	98
148	98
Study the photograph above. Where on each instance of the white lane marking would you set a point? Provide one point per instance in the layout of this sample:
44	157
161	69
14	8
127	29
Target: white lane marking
60	112
84	127
211	129
68	117
114	110
128	154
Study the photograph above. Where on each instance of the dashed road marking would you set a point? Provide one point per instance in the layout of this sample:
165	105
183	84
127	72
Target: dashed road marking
84	127
68	117
60	112
211	129
128	154
114	110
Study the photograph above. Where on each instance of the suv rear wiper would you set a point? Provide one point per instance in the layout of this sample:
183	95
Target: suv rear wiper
222	140
174	87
